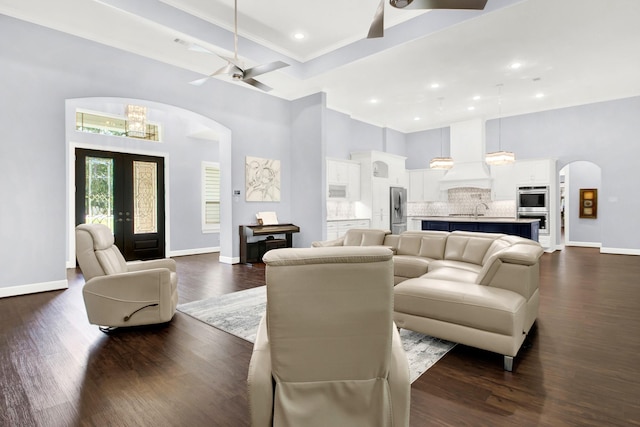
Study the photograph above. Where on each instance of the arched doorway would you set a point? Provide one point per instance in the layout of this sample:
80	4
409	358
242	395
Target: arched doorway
190	141
578	228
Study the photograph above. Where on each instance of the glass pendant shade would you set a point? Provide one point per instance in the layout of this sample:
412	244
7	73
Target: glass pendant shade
500	158
441	163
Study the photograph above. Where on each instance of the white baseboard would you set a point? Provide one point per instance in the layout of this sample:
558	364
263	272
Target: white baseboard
583	244
196	251
229	260
620	251
33	288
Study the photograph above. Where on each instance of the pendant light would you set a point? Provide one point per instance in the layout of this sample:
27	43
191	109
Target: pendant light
441	162
500	157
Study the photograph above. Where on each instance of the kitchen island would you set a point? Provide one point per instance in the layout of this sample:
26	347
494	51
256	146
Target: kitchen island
527	228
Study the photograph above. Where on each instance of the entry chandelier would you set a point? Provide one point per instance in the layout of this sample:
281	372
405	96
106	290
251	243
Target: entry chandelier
500	157
136	121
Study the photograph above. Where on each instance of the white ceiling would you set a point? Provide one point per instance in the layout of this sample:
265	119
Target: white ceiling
574	51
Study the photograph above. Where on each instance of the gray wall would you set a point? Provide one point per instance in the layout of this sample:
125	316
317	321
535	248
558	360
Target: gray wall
308	154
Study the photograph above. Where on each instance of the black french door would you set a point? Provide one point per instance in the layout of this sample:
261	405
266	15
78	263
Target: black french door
126	193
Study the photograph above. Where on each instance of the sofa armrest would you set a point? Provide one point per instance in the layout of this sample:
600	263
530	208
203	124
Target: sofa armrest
515	268
121	299
335	242
522	254
399	381
151	264
260	381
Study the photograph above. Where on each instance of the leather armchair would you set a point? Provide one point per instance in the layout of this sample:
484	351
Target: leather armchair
119	293
327	352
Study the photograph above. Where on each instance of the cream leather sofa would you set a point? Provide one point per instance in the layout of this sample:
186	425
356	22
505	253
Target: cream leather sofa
327	352
478	289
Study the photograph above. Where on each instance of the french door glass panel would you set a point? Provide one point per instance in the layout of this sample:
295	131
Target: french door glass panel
145	200
99	191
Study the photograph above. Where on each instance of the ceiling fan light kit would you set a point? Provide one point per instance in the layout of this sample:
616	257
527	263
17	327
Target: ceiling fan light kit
234	67
376	29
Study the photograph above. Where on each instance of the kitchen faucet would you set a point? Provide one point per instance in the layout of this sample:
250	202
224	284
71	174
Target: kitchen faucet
475	210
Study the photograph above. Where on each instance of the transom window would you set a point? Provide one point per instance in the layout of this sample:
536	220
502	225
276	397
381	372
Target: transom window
112	125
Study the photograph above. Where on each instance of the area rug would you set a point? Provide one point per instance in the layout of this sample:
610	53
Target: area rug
239	314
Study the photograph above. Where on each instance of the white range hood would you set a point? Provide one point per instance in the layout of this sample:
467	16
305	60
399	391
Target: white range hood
468	150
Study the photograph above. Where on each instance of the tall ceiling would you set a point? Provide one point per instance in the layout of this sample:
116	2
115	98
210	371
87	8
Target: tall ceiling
432	68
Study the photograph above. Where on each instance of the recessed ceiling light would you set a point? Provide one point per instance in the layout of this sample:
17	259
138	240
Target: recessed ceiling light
416	118
435	85
471	108
373	101
476	98
516	65
539	95
299	36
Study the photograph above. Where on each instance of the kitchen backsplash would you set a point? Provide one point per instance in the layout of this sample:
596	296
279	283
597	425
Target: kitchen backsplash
340	210
463	201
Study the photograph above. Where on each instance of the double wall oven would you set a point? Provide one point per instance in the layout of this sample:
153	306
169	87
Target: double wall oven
533	203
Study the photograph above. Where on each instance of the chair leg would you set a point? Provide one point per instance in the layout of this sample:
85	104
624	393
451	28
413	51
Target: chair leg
508	363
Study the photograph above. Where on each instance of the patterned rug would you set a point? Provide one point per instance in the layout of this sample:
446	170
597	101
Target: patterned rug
239	314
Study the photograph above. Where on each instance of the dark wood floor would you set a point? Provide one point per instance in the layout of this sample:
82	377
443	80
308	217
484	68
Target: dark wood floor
582	367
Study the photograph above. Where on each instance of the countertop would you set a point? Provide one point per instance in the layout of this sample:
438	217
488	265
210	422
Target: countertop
506	220
347	219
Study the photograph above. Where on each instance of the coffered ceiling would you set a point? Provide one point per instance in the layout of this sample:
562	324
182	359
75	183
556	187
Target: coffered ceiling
432	68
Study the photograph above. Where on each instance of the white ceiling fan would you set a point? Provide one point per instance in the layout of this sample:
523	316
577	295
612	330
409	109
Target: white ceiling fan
235	68
377	26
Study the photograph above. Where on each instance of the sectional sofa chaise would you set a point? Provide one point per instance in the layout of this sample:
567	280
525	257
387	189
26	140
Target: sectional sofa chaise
477	289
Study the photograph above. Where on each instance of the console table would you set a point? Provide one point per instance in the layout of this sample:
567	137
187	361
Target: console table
253	251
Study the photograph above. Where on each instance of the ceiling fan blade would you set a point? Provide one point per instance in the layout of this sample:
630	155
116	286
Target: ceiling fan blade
199	82
377	26
264	68
257	84
439	4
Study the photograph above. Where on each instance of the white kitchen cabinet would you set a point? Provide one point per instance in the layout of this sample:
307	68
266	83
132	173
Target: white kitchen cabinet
343	179
354	182
338	228
378	172
414	224
504	185
424	185
381	204
431	191
534	172
416	185
332	230
337	171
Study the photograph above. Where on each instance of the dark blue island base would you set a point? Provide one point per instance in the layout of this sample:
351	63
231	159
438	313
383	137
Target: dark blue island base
524	228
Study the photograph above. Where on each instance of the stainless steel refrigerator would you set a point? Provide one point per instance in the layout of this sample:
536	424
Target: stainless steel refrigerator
398	210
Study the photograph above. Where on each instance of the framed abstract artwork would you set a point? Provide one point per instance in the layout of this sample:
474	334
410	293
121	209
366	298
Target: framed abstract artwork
588	203
262	180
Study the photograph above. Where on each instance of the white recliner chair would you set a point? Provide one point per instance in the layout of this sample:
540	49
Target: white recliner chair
119	293
327	352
